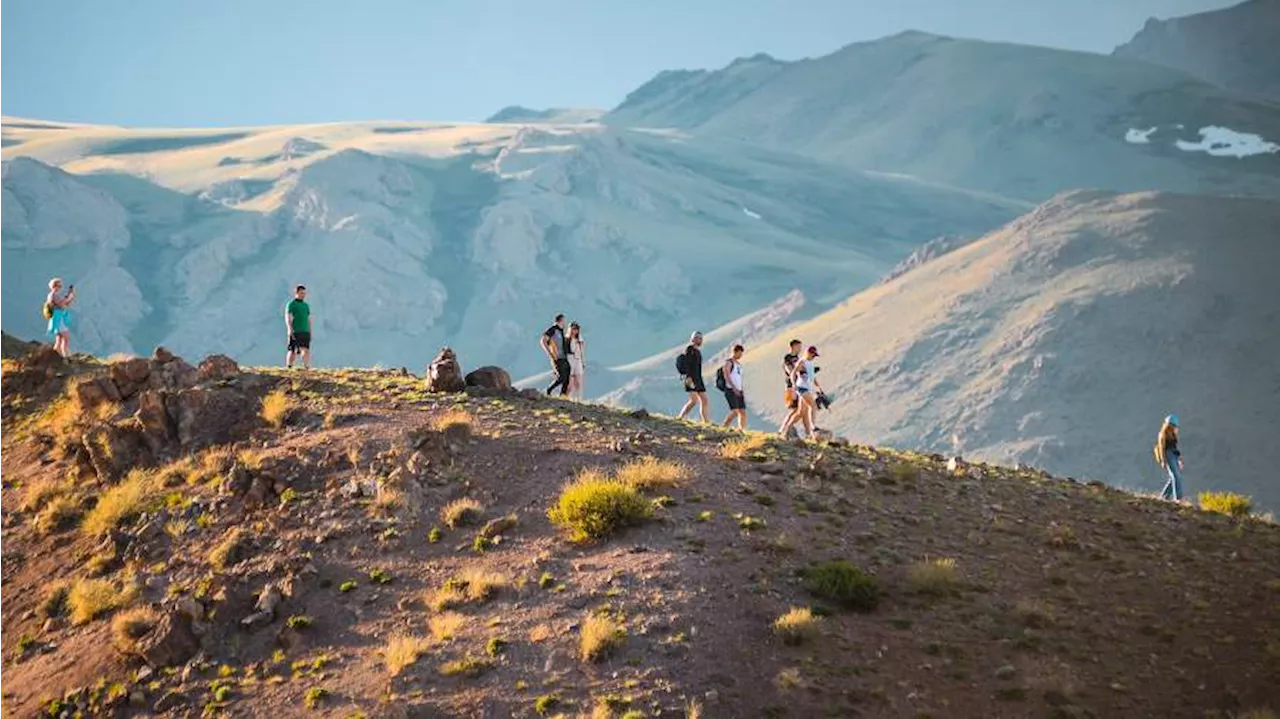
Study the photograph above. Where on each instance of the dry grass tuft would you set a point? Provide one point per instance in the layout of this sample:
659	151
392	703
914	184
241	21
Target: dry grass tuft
481	585
651	472
42	491
1228	503
276	406
455	424
58	514
121	502
1034	613
796	626
131	625
744	447
468	666
90	598
594	506
403	650
600	635
446	625
936	577
227	552
461	512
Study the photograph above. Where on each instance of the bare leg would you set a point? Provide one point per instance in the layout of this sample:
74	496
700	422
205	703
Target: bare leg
306	357
704	406
688	405
288	359
742	420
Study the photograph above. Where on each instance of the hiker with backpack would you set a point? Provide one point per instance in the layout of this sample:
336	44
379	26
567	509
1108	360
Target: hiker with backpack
729	381
556	344
1170	458
297	326
805	382
790	398
689	365
577	349
55	310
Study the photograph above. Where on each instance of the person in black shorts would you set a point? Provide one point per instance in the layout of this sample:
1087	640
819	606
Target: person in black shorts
733	390
692	378
556	344
297	323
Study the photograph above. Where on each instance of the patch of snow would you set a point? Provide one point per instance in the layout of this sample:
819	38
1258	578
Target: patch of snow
1138	137
752	215
1225	142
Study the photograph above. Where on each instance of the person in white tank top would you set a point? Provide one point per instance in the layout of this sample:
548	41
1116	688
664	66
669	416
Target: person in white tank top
733	392
577	362
805	381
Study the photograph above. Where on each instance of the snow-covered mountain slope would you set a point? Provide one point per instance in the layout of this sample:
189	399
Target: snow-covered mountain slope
553	115
1234	47
414	235
1064	338
1023	121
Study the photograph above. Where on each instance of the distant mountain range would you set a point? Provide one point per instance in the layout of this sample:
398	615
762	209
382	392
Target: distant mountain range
1025	122
1234	48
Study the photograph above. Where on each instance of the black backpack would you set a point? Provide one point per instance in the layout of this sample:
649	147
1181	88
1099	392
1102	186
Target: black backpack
682	365
721	384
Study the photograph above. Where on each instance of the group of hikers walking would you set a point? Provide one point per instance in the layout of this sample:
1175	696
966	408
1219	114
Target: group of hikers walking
563	344
803	395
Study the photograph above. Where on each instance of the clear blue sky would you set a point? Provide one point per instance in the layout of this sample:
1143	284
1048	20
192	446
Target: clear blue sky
229	62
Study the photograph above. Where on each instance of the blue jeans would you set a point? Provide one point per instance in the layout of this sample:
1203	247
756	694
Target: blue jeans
1172	488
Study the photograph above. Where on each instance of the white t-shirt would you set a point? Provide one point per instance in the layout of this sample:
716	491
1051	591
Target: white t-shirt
734	378
804	380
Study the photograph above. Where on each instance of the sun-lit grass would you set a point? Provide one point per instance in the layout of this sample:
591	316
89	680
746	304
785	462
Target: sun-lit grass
227	552
38	492
1228	503
58	514
599	635
797	626
446	625
744	447
936	577
651	472
461	512
276	406
90	598
403	650
594	506
455	423
121	502
131	625
468	666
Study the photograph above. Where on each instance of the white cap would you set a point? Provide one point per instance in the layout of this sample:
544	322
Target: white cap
694	336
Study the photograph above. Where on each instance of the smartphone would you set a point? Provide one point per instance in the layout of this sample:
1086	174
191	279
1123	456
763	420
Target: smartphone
71	288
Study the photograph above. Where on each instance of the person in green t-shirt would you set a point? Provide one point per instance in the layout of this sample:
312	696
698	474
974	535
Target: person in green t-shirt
297	322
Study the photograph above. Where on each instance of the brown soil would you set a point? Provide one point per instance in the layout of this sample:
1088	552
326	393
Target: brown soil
1069	600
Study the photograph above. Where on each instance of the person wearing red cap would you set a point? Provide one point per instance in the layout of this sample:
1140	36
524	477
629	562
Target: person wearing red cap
805	382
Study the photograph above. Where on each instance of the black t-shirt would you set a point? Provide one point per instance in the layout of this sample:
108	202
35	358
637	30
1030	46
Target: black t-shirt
788	364
692	361
551	333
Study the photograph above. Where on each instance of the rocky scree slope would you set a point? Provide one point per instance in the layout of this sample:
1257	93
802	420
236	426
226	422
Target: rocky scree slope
350	544
1233	48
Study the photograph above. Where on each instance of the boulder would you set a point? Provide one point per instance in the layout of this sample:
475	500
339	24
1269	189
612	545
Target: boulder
90	393
157	428
130	376
489	377
113	449
444	374
162	356
204	417
173	374
169	642
215	367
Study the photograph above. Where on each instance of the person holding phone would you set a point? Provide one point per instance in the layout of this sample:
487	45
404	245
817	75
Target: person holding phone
56	311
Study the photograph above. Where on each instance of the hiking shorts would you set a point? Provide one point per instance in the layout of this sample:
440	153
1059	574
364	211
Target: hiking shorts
736	400
694	384
299	341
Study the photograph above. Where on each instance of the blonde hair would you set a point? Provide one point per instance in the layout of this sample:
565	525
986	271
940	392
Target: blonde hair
1162	440
54	282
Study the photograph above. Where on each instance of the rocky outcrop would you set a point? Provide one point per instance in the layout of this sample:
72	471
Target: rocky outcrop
217	367
444	374
489	377
169	642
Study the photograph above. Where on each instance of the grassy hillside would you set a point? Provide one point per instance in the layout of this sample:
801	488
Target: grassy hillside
345	542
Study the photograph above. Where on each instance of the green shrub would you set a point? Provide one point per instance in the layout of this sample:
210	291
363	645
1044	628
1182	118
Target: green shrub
1228	503
841	582
594	506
